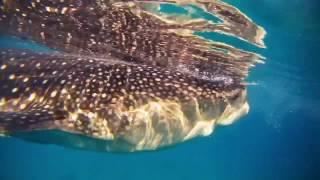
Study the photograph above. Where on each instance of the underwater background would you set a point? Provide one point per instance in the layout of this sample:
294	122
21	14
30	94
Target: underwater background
278	139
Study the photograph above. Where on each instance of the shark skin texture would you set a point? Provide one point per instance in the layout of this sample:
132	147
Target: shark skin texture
122	72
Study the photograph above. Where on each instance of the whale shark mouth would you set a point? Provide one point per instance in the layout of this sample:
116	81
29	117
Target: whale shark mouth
125	72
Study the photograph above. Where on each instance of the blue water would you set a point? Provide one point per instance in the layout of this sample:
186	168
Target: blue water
278	139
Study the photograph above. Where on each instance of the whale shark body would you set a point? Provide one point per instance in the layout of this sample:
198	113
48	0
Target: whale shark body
122	72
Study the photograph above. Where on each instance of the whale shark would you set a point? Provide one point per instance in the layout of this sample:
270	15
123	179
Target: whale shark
123	73
141	105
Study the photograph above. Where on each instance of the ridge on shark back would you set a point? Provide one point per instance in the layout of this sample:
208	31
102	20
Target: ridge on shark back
137	89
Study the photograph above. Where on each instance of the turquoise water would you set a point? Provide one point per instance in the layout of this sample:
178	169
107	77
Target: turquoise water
278	139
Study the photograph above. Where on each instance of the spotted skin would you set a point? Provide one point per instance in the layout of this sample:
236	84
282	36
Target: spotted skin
123	73
101	28
104	99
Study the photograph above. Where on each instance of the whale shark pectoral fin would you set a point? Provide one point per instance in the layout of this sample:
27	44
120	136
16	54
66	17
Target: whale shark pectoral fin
35	119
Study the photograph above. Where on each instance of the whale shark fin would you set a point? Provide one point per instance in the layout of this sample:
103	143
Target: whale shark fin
34	119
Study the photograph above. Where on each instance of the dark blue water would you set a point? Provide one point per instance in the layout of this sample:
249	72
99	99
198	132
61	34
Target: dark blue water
278	139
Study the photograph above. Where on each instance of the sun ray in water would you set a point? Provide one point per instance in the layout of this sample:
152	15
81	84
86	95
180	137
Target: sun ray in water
125	71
